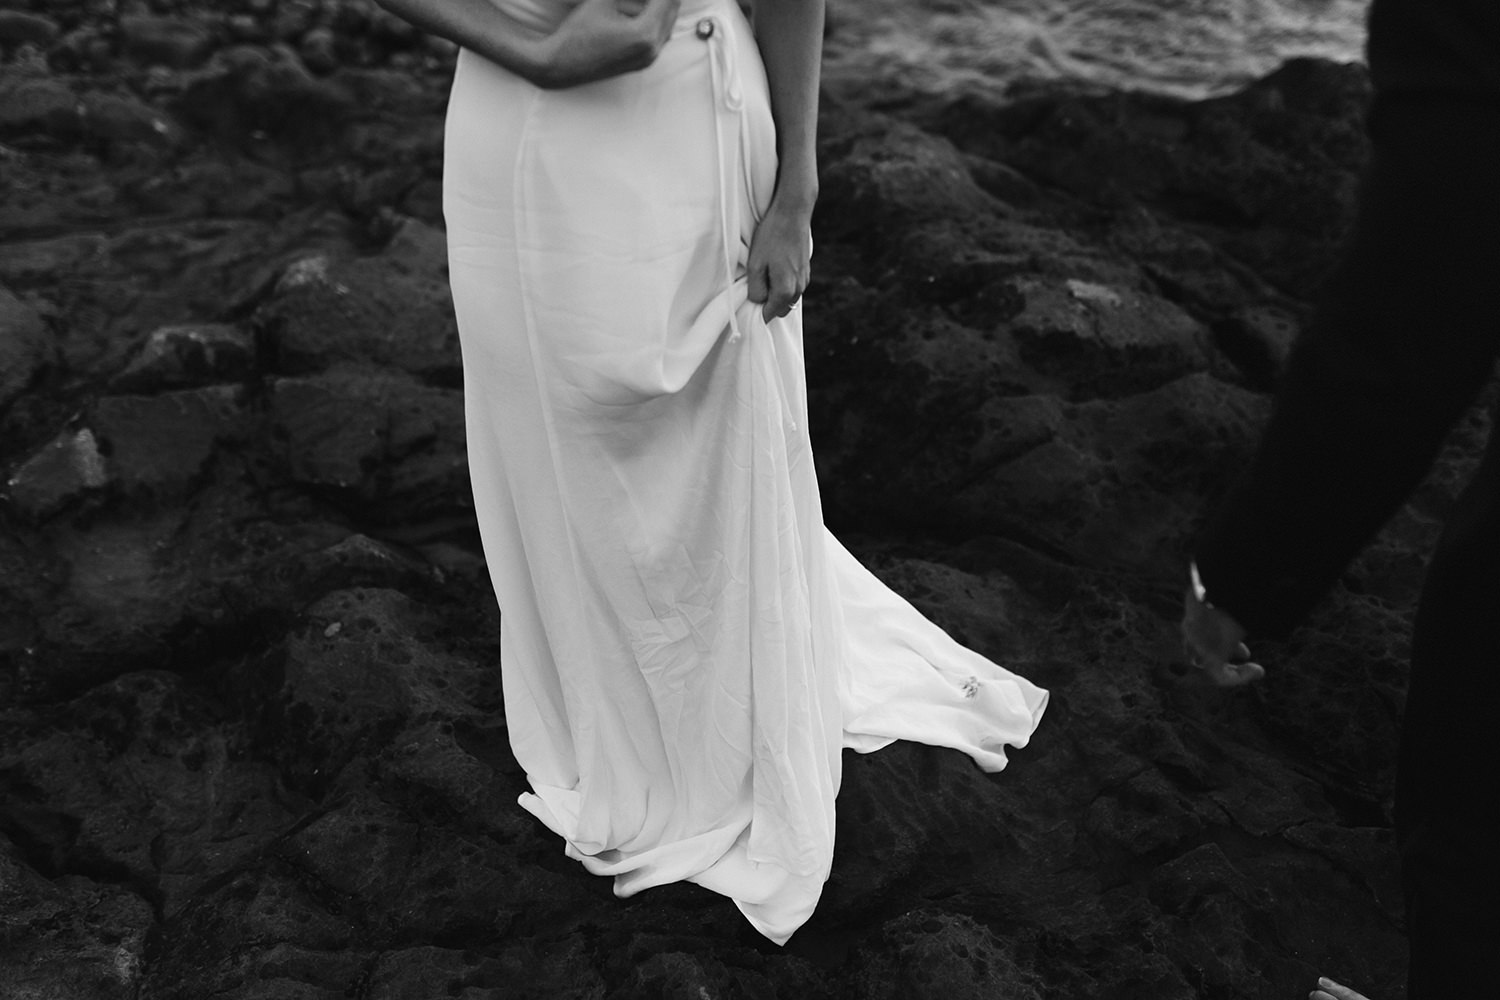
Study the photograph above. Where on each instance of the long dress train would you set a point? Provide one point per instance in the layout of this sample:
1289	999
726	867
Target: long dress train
685	648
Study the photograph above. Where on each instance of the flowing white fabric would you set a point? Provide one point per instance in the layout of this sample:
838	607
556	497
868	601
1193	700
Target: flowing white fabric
685	649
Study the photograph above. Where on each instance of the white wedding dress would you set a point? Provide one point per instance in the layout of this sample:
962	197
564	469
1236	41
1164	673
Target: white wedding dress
685	648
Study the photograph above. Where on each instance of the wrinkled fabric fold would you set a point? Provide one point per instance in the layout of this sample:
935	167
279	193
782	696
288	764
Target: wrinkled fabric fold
685	649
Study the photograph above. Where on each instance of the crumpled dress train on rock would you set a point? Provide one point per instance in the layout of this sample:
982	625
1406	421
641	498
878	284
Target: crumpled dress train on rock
685	648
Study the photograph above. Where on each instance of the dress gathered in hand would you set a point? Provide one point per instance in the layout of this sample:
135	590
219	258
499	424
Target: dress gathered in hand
685	648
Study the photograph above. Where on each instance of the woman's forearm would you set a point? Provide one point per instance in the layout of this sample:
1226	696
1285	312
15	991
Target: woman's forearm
477	25
789	34
597	39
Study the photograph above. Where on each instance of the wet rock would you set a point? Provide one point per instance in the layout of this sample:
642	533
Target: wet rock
127	119
1105	340
678	976
161	444
121	599
1089	485
1367	854
171	42
1222	919
391	309
555	970
353	678
19	27
419	882
334	428
889	174
1263	797
70	936
37	104
1339	699
66	469
412	972
246	95
294	18
319	50
290	572
1187	880
1271	171
265	930
28	261
942	955
1144	814
25	350
1258	339
394	444
151	585
246	28
945	454
150	784
85	48
427	768
185	355
48	106
29	576
354	17
960	817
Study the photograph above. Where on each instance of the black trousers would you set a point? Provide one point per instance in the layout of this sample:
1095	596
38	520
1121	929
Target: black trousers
1405	337
1424	265
1448	776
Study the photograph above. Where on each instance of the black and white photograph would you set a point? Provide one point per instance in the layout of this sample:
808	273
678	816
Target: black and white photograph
749	499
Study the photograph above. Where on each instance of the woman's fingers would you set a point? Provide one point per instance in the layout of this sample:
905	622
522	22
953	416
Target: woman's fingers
757	285
777	288
1330	990
1235	674
603	38
657	18
784	291
1219	671
777	268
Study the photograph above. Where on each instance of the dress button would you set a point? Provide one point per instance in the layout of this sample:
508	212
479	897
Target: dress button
705	28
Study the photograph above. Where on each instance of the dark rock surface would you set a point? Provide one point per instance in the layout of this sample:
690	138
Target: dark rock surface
252	742
24	347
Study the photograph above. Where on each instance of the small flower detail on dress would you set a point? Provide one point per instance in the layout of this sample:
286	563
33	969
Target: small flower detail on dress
971	687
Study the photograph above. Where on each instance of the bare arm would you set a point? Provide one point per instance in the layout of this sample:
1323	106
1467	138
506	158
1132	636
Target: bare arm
789	34
596	40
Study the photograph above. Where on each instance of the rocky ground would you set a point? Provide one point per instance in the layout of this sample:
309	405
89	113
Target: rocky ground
251	743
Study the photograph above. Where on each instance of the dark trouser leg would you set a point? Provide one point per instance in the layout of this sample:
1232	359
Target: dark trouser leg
1420	289
1448	781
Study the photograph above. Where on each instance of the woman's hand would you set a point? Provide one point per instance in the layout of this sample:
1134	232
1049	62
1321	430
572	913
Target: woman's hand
1215	643
597	39
603	38
780	255
1330	990
1213	640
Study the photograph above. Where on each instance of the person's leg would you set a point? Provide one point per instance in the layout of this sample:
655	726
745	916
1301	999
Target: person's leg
1420	289
1405	337
1448	782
